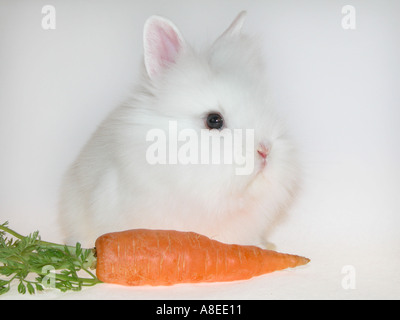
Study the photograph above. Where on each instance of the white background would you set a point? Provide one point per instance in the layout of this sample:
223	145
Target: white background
338	89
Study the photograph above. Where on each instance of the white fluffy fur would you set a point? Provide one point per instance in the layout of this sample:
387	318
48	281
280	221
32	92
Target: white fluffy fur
111	186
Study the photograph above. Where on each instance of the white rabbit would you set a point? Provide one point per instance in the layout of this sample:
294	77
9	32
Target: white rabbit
112	185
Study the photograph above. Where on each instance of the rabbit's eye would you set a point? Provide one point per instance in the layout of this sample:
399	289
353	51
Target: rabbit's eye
214	121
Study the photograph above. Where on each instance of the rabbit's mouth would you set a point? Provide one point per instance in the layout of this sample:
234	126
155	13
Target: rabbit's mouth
261	168
258	176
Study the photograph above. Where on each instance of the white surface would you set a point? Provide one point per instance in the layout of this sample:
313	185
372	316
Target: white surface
339	90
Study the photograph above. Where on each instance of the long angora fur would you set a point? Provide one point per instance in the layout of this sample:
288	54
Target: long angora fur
112	186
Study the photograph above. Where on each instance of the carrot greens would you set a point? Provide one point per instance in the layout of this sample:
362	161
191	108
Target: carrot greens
37	264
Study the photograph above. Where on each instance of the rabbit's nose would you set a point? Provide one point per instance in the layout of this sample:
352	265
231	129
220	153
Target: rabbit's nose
263	150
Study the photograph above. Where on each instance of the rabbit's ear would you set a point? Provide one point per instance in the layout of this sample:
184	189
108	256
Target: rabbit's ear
236	25
162	43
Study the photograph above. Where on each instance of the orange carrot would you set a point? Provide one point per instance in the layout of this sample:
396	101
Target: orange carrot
166	257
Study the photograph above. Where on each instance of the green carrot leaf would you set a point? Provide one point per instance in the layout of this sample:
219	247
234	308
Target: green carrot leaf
56	266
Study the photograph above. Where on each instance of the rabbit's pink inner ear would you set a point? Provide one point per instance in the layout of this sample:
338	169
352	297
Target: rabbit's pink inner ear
170	45
162	45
